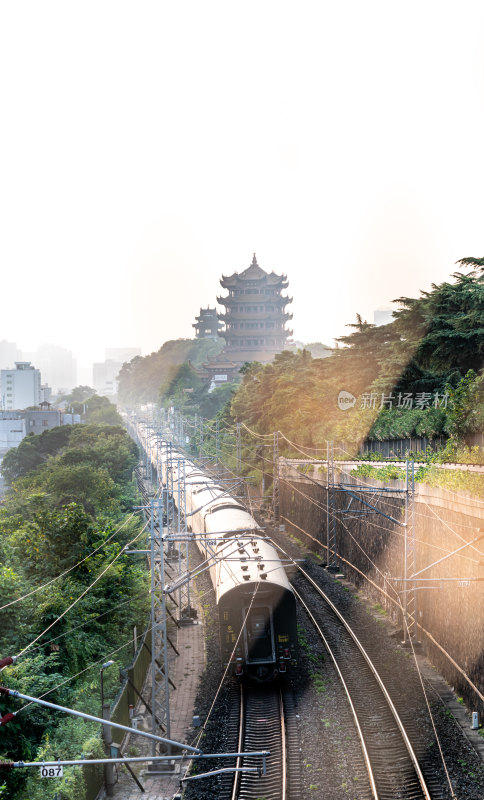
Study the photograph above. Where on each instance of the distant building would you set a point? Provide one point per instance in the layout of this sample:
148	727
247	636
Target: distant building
105	376
16	425
19	387
42	419
45	393
57	365
255	315
71	419
12	430
9	354
207	325
218	370
383	316
105	373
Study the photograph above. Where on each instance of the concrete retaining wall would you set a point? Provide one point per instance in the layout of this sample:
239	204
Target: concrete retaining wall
450	611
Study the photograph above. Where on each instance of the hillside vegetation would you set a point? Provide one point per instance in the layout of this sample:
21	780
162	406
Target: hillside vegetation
64	523
433	350
141	379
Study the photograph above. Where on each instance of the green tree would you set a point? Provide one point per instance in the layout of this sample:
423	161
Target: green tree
466	407
140	379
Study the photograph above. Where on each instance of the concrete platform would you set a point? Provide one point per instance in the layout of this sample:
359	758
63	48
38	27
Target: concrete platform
185	671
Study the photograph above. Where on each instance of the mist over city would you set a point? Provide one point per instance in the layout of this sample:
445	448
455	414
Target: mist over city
241	400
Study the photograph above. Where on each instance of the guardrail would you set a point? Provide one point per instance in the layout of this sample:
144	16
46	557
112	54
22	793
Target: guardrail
134	676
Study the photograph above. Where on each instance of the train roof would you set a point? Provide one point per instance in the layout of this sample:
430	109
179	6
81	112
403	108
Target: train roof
247	563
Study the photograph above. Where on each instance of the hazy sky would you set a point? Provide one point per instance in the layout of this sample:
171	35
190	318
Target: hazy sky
147	148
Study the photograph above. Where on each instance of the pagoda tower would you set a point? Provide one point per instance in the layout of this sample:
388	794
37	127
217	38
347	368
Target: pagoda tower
255	314
207	325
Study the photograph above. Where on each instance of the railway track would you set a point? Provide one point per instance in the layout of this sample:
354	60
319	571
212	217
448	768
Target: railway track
262	726
392	765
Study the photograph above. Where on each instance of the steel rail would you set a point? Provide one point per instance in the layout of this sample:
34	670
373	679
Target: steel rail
283	746
389	701
366	756
265	706
238	763
374	671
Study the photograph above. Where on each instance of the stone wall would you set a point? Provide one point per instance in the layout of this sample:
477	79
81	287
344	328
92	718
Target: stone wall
450	607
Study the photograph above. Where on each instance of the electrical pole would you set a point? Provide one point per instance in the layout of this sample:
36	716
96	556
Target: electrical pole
238	450
158	625
217	443
410	556
275	477
332	562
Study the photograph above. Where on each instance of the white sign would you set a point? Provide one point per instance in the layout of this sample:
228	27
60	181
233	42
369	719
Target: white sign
419	400
346	400
52	772
380	400
220	377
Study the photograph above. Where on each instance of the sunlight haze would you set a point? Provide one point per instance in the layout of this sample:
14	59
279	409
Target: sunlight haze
149	148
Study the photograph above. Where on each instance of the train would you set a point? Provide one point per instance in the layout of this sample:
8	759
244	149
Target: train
255	601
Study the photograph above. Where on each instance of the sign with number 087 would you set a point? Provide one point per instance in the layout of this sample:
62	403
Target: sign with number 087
52	772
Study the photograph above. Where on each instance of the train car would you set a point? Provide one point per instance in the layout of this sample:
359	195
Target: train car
255	601
257	611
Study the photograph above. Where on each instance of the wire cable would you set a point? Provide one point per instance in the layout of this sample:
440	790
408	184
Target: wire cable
66	572
25	649
81	672
87	622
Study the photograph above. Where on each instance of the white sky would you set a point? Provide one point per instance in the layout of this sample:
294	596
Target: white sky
147	148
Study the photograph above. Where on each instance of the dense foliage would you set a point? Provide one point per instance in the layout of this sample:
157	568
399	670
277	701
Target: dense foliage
92	407
63	523
433	341
140	380
434	348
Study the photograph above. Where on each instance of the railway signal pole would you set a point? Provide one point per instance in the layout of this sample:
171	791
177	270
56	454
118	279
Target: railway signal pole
238	450
331	543
410	628
275	477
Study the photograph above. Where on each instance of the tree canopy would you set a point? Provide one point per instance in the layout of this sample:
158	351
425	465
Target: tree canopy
434	345
64	524
140	380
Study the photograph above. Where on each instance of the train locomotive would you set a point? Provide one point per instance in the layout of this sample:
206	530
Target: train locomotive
255	601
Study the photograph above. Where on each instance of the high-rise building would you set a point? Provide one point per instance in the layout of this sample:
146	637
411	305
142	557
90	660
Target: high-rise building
255	314
207	325
57	365
105	376
19	387
9	354
105	373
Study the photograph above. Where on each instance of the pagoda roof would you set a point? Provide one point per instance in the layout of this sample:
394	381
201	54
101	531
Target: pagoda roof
219	361
252	273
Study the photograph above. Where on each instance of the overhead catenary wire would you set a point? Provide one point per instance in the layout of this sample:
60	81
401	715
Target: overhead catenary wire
197	737
325	507
87	622
40	635
419	673
369	522
397	600
386	503
406	623
82	671
67	571
383	501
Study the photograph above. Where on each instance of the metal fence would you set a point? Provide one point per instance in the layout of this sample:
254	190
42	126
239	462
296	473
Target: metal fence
389	448
134	677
